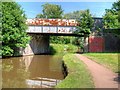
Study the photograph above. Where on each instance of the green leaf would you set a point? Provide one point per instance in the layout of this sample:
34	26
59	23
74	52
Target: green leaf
13	28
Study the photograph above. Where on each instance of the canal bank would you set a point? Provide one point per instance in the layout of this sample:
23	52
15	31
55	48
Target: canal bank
47	71
78	75
35	71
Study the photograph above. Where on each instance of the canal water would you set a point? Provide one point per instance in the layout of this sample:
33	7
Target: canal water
37	71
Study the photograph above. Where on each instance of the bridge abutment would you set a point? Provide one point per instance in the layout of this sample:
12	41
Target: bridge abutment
39	44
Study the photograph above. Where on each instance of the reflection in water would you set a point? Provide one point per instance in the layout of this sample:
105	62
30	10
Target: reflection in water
38	71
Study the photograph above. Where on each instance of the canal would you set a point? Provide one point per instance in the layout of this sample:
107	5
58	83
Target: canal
37	71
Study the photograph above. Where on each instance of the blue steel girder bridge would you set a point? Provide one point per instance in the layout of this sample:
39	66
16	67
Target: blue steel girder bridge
53	27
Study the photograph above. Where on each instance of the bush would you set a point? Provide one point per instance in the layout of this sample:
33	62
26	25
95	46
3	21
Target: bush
57	48
13	28
60	40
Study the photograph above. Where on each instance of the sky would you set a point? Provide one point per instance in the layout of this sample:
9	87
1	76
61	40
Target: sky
97	9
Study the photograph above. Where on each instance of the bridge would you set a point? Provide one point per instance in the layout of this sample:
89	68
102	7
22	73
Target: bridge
56	27
41	29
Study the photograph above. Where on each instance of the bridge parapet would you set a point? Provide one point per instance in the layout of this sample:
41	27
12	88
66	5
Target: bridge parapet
52	22
50	29
51	25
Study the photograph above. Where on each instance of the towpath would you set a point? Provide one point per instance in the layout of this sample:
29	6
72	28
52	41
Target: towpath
102	77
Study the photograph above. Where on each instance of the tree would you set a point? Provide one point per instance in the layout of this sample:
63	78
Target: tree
72	15
112	19
40	16
13	28
84	19
85	23
51	11
112	16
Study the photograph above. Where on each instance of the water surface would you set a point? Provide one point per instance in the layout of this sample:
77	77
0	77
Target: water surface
38	71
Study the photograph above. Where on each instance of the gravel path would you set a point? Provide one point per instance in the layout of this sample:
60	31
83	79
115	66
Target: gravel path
102	77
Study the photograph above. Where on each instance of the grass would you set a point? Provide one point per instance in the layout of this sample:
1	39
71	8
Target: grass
58	48
109	60
78	75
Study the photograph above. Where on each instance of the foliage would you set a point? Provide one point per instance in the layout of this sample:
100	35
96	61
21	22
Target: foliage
79	42
61	48
6	50
73	15
50	11
61	39
13	28
84	19
78	75
85	23
112	17
115	32
40	16
73	41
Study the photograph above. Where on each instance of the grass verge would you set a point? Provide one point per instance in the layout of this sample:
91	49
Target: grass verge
78	75
58	48
109	60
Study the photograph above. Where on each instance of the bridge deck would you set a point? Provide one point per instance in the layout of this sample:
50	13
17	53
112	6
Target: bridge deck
57	34
52	27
